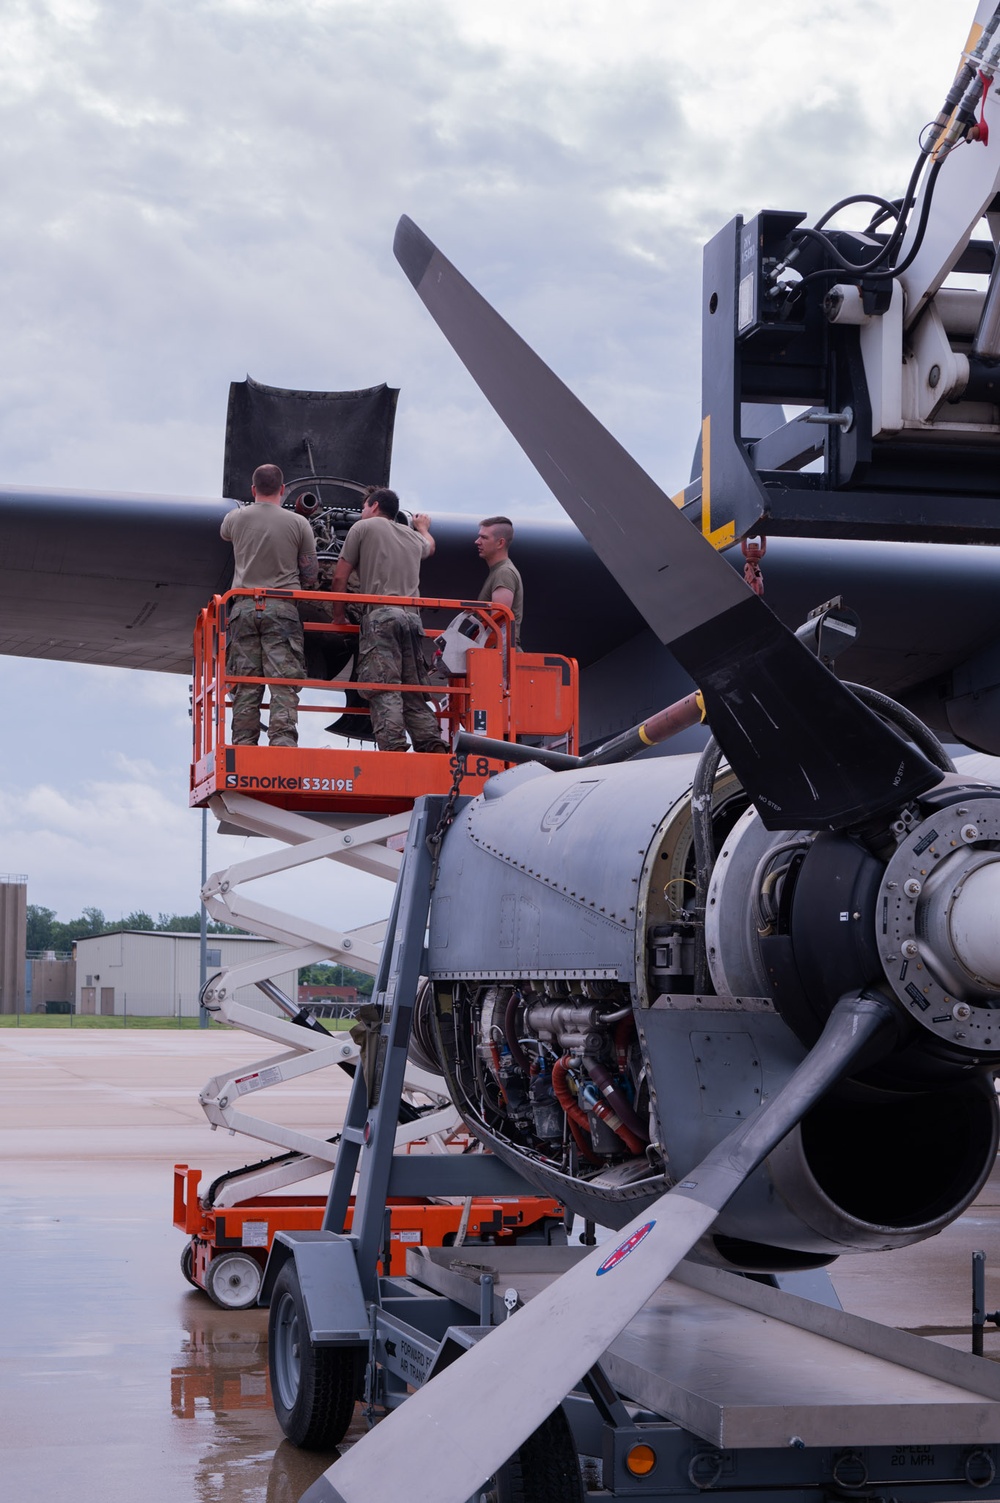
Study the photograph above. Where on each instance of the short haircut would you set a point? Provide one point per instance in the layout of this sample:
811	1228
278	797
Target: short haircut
267	479
387	501
503	527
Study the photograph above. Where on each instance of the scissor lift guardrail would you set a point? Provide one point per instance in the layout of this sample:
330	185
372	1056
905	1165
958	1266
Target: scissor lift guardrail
502	693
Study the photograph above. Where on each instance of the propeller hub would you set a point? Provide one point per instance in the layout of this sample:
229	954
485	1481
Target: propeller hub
936	929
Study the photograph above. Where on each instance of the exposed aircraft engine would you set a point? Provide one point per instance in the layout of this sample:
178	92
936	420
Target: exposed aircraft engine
624	961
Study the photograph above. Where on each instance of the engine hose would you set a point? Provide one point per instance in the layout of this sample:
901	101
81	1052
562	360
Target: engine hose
563	1094
634	1145
704	851
575	1115
583	1143
517	1054
495	1055
904	720
624	1034
629	1122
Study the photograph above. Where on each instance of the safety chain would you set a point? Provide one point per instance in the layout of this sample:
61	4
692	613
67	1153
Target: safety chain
753	551
447	819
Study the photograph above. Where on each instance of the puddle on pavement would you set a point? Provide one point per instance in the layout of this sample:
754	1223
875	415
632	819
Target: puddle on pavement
220	1398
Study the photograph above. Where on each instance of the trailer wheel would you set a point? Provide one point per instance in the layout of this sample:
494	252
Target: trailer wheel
187	1264
546	1469
233	1280
313	1388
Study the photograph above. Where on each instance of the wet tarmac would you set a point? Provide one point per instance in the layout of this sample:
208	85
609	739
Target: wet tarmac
119	1383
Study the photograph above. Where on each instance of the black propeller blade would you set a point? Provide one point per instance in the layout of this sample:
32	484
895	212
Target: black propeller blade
809	755
441	1444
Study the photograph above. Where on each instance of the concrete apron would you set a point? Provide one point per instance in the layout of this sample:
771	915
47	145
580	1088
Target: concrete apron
121	1382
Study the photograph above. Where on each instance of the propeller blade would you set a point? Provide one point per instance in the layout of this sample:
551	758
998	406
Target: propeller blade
807	753
448	1437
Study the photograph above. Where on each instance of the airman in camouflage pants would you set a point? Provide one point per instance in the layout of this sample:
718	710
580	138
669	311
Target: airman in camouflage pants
261	641
390	653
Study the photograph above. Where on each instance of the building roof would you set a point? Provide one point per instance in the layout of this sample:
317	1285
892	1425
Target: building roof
256	939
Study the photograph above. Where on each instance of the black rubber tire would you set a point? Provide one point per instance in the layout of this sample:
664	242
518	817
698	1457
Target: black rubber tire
546	1469
313	1388
187	1263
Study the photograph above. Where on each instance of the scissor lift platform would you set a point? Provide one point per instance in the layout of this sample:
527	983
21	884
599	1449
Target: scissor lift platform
501	693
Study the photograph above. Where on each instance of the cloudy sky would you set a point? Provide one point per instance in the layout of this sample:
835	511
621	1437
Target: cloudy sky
202	189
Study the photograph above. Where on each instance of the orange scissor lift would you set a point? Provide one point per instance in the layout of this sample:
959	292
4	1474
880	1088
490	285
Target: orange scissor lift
502	693
363	800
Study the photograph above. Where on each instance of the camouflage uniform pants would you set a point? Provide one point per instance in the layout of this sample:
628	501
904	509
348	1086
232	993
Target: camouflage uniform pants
390	653
262	642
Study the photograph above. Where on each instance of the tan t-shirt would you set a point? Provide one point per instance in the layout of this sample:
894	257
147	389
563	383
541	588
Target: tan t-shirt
387	556
503	576
267	541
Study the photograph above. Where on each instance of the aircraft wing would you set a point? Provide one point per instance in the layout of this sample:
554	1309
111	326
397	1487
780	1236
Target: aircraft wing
118	579
111	579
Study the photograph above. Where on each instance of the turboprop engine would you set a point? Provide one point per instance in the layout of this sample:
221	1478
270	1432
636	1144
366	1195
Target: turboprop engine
750	1016
624	962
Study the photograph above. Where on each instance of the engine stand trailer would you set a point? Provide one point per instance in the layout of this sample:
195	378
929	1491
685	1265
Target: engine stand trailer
720	1385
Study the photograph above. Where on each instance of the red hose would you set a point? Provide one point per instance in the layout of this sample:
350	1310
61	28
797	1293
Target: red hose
495	1052
575	1115
622	1118
634	1145
563	1094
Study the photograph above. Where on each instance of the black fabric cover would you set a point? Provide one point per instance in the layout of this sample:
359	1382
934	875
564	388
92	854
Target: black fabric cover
349	433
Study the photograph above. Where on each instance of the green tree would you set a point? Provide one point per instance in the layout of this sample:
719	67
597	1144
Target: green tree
190	923
40	925
332	973
46	932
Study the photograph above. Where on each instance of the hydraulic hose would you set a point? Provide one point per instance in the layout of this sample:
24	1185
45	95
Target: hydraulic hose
621	1118
575	1115
517	1054
704	851
904	720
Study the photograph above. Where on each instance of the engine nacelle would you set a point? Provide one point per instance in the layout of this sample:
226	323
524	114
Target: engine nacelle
607	1007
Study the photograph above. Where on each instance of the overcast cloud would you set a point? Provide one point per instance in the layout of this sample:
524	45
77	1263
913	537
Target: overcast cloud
199	190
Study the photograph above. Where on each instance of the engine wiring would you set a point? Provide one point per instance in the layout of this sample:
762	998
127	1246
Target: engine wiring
553	1070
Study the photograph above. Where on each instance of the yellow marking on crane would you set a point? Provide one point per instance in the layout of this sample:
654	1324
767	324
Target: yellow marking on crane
726	534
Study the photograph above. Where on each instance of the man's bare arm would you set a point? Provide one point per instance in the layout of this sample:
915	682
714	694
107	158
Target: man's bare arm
503	597
308	571
338	584
422	524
